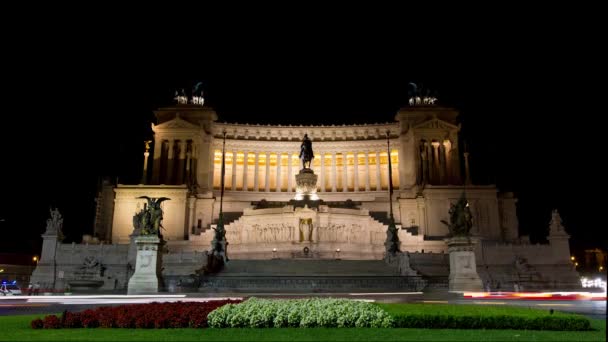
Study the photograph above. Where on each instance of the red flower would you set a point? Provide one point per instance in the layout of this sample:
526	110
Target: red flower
51	322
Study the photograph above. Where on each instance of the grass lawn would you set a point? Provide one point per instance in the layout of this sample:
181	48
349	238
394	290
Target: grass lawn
17	328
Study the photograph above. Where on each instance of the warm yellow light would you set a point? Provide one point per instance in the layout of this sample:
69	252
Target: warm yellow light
572	258
601	268
1	270
35	258
576	264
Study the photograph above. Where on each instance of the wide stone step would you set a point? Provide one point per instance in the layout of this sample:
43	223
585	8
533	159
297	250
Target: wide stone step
290	267
320	284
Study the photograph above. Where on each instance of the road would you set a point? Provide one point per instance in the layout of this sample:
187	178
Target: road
19	305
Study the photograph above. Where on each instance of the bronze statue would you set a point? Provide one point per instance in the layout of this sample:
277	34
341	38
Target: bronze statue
461	219
148	220
306	153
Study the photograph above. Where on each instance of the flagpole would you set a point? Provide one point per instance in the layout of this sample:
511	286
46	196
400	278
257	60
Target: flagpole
392	237
390	175
220	220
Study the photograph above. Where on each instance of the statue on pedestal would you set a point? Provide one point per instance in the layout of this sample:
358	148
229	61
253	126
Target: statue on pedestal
461	219
148	220
54	225
306	153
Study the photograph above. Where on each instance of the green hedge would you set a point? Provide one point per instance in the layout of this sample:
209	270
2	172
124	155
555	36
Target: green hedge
481	317
304	313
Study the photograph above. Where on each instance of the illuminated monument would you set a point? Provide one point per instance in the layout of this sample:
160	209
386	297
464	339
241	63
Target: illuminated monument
346	184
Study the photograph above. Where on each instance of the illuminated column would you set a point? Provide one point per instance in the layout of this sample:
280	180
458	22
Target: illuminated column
158	147
278	185
344	177
169	179
267	184
144	176
436	165
193	162
366	171
191	204
289	175
256	173
356	171
441	164
447	147
181	162
233	170
378	177
322	187
466	169
429	162
334	172
425	165
188	161
245	171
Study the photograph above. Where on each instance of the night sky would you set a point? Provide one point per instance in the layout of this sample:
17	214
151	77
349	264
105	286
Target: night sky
77	110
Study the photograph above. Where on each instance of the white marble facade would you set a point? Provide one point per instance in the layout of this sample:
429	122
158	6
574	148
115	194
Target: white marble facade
351	162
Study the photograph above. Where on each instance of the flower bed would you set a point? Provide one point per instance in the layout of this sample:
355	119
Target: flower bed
145	316
304	313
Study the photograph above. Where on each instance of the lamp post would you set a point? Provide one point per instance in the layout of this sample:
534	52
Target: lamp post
392	239
220	220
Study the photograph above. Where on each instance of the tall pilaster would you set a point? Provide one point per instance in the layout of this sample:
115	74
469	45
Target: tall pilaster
245	156
179	179
256	173
378	175
334	172
267	176
156	162
234	170
170	163
279	178
344	175
367	171
289	173
356	171
322	186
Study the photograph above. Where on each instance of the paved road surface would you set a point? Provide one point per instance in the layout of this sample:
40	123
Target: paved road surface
20	305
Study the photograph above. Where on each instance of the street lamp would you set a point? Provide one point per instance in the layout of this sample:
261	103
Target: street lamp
35	259
392	239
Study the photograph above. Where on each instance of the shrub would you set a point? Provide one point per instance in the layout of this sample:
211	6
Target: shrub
475	317
143	316
37	324
305	313
51	322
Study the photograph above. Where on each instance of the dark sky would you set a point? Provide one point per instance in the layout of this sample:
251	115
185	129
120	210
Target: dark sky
79	108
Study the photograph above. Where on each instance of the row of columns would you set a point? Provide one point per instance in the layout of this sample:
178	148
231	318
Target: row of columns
170	168
436	163
290	180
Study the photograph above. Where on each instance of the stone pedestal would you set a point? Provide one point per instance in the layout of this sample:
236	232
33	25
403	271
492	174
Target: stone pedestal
145	278
463	269
306	185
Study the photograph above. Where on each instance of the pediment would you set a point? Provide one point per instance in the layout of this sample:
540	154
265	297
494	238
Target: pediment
176	123
436	124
